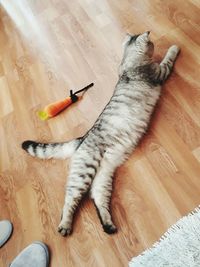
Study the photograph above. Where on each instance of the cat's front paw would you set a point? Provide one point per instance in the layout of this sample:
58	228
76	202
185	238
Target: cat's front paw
174	51
64	228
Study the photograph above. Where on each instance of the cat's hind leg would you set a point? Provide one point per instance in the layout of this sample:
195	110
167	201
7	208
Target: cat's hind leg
82	171
101	191
74	193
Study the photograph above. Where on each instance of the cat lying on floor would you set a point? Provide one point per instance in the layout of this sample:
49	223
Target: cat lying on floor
115	134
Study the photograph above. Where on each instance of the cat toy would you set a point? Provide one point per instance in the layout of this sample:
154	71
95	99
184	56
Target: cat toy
55	108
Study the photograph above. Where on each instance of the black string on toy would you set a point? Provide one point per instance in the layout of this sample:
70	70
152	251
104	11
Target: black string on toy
74	97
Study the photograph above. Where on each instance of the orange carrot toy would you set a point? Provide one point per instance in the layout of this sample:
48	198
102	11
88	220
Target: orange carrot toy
53	109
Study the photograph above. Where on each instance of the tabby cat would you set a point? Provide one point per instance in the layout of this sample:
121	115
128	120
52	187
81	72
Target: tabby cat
115	134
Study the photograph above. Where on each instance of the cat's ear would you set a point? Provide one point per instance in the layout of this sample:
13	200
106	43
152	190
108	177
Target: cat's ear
126	39
144	37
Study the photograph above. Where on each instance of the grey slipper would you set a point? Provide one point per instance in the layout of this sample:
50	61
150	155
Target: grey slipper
35	255
5	231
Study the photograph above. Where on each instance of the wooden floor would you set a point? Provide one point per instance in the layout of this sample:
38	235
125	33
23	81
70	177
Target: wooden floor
49	47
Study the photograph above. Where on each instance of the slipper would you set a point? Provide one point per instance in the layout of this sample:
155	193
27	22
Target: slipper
5	231
36	254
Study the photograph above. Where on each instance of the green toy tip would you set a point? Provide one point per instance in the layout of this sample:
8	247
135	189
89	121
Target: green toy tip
43	115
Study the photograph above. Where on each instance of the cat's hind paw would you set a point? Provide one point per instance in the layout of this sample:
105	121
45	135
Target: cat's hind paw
109	228
64	229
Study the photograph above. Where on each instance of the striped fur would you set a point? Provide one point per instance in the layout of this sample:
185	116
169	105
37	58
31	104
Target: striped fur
114	135
53	150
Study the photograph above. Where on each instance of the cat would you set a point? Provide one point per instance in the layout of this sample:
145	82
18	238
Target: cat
114	135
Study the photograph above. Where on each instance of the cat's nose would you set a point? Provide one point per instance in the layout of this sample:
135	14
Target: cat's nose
148	32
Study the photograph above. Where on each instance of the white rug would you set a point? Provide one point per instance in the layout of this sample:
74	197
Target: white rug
178	247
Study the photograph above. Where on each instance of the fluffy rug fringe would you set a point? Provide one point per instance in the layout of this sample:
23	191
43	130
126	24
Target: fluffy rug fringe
178	247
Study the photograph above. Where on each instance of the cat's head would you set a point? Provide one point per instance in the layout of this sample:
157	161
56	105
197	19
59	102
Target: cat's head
138	44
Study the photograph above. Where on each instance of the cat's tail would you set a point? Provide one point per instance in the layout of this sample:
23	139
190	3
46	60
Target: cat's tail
51	150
